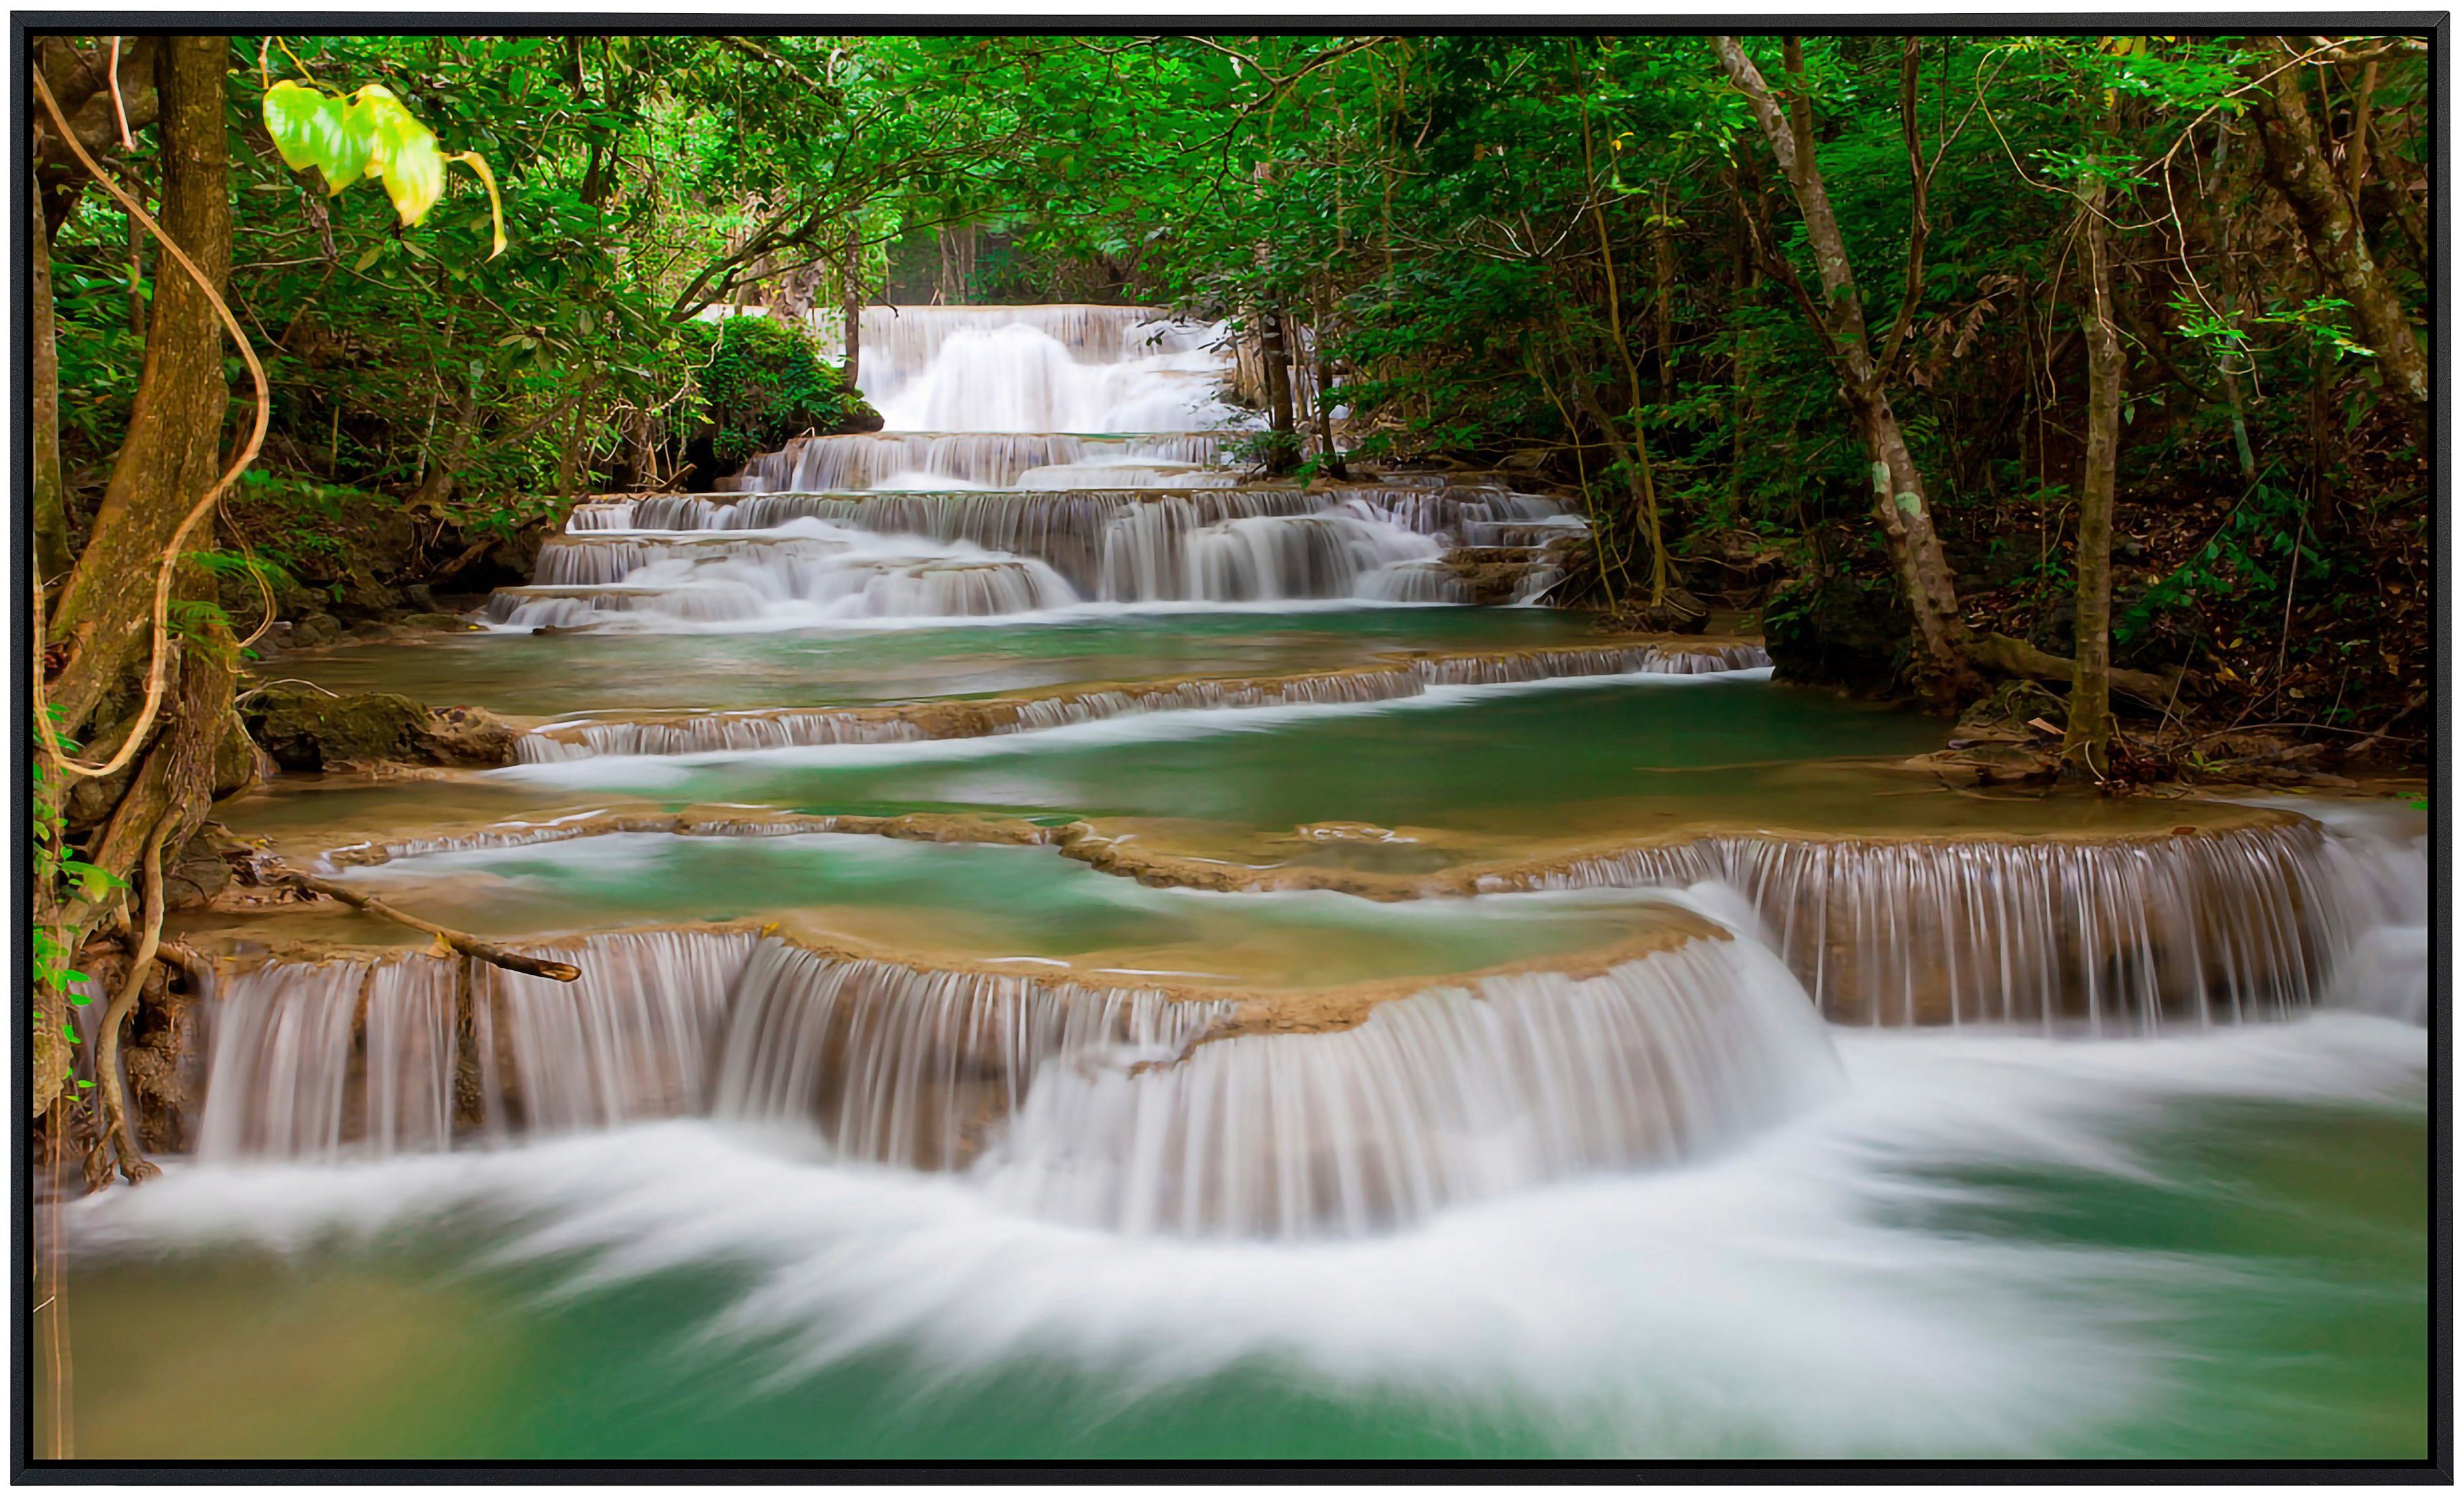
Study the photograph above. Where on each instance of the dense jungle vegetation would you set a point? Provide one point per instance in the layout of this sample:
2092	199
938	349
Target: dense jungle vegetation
1962	363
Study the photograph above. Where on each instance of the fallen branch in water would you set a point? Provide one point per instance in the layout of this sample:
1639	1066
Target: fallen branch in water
467	945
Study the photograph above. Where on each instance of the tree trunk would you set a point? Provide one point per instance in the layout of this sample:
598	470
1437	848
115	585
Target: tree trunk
1663	280
173	448
851	302
1940	662
2299	169
52	557
1324	368
1277	358
2087	744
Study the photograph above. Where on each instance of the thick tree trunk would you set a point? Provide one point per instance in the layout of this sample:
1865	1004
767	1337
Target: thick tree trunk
2299	167
1941	661
52	557
2087	743
173	448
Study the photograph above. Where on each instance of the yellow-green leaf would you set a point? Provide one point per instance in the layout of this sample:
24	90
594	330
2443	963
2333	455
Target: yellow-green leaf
296	116
311	128
401	152
495	204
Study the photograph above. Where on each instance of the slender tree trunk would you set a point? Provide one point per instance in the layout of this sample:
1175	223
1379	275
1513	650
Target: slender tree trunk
851	302
2087	744
1277	358
1942	639
2298	165
1637	459
1325	371
136	264
1663	280
174	446
52	557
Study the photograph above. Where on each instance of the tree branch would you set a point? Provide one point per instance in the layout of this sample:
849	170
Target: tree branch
468	945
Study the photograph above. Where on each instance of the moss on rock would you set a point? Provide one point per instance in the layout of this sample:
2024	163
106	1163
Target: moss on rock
307	731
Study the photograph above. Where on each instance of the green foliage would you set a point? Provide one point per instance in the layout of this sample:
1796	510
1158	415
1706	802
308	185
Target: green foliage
58	870
763	383
2244	566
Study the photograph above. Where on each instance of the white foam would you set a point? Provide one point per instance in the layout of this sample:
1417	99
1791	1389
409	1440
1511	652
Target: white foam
1778	1299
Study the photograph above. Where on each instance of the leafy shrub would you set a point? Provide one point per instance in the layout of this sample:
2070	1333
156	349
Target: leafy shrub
763	383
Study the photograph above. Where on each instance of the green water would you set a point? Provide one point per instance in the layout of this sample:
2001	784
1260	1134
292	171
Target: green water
977	903
2262	1264
525	674
2202	1245
1487	755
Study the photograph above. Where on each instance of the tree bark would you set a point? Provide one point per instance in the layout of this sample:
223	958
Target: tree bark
1276	355
1324	367
172	451
2087	741
51	555
2299	167
851	302
1941	637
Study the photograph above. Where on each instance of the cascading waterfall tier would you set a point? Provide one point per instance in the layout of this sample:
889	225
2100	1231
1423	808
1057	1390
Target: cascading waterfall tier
747	731
1455	1094
401	1053
1083	440
2122	934
984	460
2118	934
815	556
1120	1107
1041	369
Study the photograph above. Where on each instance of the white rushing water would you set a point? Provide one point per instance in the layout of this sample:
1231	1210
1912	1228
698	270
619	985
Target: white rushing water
1787	1297
1111	1104
1035	460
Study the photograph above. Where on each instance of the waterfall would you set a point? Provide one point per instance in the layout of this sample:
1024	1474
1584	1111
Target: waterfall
770	559
342	1057
1108	1106
1041	368
631	1040
1451	1095
2120	933
1034	458
979	460
890	1064
319	1055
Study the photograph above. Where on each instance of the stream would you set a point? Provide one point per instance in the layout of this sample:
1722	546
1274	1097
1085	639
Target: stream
1085	957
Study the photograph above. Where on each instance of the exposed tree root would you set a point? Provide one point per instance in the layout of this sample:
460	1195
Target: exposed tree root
2017	657
120	1133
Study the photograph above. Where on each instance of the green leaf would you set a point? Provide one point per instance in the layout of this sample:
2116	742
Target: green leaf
312	129
401	152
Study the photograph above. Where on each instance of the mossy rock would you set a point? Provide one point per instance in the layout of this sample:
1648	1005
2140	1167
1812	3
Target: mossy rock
468	737
315	631
306	731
